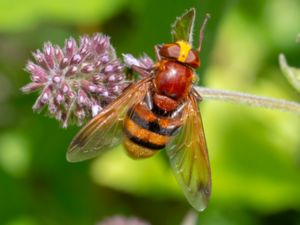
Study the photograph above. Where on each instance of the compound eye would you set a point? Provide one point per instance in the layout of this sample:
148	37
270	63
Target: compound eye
170	51
193	59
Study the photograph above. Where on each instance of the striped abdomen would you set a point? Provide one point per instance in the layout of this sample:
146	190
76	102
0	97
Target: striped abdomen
148	130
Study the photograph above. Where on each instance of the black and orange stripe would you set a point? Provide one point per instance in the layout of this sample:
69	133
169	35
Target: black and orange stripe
146	131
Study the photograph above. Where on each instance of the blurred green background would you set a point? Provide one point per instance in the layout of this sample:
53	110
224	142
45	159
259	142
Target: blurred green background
254	153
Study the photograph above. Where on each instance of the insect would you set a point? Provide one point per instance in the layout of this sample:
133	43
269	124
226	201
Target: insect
155	113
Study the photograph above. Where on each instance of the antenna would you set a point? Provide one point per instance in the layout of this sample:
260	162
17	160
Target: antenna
201	34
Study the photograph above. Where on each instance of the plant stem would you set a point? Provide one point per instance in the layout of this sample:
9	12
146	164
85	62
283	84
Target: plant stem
248	99
190	218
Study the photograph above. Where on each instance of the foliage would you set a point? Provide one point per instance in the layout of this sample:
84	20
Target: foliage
182	28
291	73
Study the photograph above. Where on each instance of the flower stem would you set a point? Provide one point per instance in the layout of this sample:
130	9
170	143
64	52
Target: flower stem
190	218
248	99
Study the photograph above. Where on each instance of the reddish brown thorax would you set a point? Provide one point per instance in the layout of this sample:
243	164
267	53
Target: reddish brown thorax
174	75
173	79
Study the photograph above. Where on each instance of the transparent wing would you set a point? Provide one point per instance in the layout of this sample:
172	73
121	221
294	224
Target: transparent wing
104	131
189	158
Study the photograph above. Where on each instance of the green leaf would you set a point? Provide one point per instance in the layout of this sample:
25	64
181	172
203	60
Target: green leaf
182	28
291	73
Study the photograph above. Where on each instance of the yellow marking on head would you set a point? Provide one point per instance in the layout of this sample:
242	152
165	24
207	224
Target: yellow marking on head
184	50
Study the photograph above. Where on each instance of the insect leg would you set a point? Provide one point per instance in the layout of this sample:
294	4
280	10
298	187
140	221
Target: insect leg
197	95
178	111
156	49
140	70
148	100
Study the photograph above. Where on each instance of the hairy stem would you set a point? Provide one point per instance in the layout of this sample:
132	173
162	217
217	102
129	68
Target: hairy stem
190	218
248	99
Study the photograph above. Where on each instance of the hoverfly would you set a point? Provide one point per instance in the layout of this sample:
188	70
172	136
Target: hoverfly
158	112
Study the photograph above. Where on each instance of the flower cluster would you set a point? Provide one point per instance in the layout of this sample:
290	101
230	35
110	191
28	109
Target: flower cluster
120	220
75	82
144	61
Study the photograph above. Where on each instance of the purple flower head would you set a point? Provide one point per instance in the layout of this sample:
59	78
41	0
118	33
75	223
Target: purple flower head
77	81
120	220
144	61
